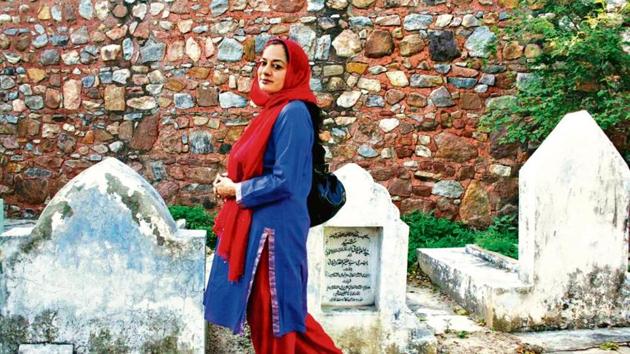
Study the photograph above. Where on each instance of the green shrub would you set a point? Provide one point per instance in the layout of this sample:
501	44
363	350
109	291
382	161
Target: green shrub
428	231
197	218
582	66
501	236
425	231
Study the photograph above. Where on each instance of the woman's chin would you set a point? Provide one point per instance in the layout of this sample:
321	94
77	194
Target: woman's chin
268	91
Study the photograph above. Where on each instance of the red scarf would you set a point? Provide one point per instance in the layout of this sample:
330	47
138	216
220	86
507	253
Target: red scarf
246	158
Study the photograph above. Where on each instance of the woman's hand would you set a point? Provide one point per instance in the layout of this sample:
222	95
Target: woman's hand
223	186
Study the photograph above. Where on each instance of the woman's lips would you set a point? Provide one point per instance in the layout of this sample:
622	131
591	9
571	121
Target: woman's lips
265	81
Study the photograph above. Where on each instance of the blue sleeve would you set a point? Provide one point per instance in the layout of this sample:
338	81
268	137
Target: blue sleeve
292	136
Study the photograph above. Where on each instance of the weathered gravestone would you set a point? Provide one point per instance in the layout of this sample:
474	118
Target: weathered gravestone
104	269
357	272
574	204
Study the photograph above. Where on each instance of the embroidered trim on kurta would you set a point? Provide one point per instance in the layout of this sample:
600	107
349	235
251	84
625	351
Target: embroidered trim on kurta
261	245
275	308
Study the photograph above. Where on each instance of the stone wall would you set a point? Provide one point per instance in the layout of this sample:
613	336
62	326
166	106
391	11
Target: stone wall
163	87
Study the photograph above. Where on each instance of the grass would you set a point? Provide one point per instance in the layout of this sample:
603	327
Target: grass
501	236
462	334
609	346
428	231
197	218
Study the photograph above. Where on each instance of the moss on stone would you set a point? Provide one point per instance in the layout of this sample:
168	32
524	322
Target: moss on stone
66	212
13	331
165	345
425	348
392	349
43	326
103	343
220	340
138	206
356	340
115	187
43	229
505	325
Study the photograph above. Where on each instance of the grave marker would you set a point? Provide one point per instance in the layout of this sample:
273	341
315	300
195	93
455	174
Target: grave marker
574	206
358	272
105	269
350	271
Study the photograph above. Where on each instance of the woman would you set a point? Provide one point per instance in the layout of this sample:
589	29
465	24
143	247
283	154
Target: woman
261	263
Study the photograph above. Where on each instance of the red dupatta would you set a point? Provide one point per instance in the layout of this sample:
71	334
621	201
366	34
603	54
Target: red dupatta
246	157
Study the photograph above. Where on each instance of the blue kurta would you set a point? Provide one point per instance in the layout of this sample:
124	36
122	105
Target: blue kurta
280	216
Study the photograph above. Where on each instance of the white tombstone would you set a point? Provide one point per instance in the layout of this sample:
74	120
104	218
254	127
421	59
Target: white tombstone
574	204
358	269
105	269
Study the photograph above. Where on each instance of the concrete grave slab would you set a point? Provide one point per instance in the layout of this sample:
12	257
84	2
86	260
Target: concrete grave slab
574	203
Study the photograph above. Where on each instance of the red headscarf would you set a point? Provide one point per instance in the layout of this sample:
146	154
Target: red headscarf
246	158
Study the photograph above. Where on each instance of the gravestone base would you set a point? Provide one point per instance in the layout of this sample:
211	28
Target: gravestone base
39	323
568	341
507	304
364	332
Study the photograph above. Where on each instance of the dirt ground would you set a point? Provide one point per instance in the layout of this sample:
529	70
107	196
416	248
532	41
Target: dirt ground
486	342
481	342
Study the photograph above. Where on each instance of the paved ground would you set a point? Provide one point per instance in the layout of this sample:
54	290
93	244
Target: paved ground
458	333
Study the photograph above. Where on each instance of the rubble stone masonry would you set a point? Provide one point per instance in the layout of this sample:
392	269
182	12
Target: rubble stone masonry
163	86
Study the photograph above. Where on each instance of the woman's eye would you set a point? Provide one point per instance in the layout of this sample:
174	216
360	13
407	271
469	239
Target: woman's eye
277	67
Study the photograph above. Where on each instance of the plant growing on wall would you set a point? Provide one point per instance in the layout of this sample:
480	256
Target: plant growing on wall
582	65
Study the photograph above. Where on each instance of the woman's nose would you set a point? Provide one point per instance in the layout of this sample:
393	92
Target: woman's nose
266	69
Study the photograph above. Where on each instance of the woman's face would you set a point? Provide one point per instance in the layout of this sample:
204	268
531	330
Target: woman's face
272	69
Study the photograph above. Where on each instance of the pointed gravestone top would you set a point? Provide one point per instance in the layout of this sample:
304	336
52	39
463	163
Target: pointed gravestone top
107	194
579	143
362	193
574	198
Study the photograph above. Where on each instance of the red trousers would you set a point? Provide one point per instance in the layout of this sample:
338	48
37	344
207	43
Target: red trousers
313	341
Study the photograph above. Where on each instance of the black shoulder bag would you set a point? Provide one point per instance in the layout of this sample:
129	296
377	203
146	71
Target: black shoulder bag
327	193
